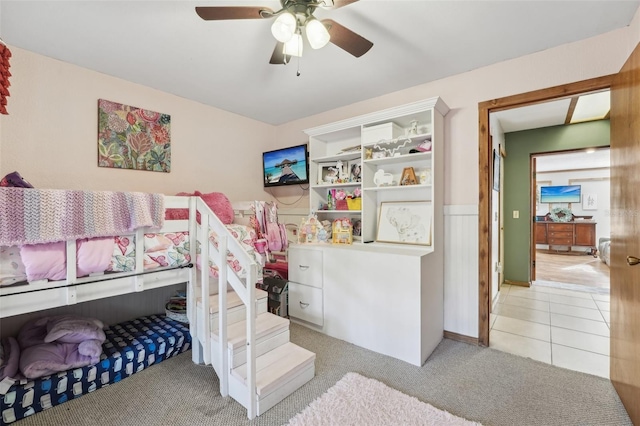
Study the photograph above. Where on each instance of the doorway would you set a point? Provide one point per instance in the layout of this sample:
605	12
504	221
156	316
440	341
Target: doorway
585	265
485	178
553	325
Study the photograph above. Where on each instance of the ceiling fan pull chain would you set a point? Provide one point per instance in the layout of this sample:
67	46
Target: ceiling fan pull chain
298	71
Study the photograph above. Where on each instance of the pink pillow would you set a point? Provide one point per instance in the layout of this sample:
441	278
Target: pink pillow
219	204
178	214
45	261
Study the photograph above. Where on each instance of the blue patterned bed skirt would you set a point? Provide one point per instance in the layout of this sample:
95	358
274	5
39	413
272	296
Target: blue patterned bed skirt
130	347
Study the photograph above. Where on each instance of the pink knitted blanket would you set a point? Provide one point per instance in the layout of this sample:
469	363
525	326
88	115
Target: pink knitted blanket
32	216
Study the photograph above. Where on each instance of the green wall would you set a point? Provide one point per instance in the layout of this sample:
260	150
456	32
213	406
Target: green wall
519	147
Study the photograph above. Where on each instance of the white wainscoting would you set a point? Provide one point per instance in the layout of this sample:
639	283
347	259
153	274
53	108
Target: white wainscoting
461	269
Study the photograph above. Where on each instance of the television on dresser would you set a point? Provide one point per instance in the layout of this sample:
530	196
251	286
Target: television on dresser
560	194
285	166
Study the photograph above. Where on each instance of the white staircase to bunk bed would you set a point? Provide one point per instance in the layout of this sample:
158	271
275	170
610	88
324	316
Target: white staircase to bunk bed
248	347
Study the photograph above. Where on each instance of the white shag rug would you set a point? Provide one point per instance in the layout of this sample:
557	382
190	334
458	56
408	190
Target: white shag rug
358	400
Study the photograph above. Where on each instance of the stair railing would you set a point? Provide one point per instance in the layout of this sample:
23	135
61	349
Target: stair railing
226	243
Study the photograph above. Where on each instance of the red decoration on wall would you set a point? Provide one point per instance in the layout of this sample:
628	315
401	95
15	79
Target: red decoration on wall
5	54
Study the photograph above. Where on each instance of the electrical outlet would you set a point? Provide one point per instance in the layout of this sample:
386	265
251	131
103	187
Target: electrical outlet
516	214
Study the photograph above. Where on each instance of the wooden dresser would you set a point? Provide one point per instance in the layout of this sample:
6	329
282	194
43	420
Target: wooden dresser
577	233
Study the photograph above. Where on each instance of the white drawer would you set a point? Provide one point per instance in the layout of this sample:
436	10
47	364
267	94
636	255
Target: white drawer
305	303
305	266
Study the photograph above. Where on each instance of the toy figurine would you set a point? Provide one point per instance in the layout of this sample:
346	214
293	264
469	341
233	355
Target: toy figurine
322	235
342	231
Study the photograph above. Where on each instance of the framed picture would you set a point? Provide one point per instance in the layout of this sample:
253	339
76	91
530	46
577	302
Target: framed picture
327	173
590	202
408	177
405	222
355	171
496	170
133	138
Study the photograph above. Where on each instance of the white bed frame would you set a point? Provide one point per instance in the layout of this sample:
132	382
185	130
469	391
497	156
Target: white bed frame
45	294
41	295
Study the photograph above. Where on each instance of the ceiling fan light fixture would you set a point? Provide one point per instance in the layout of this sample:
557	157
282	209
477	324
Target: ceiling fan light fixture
284	27
293	47
317	34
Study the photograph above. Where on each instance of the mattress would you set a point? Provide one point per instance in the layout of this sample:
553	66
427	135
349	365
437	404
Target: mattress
130	347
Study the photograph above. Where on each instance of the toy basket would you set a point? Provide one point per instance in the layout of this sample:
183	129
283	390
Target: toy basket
354	203
342	205
176	309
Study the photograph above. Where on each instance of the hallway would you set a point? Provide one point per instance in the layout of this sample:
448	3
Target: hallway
562	327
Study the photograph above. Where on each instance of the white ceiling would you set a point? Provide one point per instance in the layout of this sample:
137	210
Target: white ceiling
545	114
573	160
165	45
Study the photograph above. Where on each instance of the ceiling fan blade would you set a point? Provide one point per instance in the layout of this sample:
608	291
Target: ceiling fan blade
217	13
334	4
346	39
278	57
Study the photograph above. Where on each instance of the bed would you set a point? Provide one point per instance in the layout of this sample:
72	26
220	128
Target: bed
130	347
35	274
173	246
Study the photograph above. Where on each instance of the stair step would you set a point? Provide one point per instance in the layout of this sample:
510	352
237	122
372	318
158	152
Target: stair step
233	300
276	367
266	323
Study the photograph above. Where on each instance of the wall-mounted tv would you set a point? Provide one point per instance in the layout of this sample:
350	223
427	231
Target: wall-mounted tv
560	194
286	166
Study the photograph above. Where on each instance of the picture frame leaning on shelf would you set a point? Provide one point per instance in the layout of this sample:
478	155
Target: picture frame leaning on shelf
355	170
408	177
327	173
406	222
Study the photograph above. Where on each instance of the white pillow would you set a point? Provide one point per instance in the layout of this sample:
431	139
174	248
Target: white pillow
11	266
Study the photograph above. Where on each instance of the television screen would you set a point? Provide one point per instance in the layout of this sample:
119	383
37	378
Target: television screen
560	194
287	166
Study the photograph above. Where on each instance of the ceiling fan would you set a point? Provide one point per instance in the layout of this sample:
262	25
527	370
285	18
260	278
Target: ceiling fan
292	18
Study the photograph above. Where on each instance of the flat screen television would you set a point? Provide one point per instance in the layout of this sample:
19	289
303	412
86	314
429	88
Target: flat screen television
560	194
286	166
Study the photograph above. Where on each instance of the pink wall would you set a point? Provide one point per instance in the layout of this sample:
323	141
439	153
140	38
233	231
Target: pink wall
572	62
50	136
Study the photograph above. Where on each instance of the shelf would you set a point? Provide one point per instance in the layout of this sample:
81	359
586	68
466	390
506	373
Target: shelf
414	139
344	156
422	156
338	211
383	133
397	188
336	185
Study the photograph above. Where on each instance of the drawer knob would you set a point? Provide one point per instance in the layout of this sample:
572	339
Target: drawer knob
303	305
303	267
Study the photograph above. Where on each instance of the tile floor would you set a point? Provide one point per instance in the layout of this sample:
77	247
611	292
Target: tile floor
558	326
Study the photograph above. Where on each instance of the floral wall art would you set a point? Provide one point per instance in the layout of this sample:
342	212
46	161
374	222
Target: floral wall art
133	138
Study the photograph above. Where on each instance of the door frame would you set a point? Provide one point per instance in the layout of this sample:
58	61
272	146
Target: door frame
485	193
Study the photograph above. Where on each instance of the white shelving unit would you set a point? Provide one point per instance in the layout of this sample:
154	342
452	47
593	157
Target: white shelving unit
378	132
386	297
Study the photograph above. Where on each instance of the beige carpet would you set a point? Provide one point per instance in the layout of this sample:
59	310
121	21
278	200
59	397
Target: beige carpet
357	400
